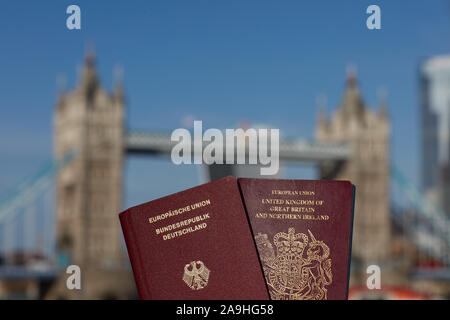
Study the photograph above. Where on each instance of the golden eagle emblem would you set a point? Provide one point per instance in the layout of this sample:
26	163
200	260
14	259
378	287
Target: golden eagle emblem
196	275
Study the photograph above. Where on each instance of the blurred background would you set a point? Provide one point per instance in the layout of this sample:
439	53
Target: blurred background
86	117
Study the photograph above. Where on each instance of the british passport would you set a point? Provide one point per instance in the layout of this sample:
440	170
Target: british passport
195	244
303	232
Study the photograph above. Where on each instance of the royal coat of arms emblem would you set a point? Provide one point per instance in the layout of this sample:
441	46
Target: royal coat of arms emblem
300	269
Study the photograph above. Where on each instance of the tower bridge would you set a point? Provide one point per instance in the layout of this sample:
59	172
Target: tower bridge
353	144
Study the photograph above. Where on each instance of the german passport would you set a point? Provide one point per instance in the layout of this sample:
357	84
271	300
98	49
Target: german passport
303	231
195	244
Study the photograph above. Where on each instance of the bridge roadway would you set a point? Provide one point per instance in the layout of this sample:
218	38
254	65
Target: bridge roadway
8	272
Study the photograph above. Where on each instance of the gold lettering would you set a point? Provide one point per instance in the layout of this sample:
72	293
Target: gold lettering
175	212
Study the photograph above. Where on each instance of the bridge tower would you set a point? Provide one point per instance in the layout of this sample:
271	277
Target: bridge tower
367	133
90	123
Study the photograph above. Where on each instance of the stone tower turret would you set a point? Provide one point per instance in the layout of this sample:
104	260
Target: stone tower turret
367	133
90	123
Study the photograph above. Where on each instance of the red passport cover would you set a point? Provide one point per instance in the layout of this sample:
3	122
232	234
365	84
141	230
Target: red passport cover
303	232
194	245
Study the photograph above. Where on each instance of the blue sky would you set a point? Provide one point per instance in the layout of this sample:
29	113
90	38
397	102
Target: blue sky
222	62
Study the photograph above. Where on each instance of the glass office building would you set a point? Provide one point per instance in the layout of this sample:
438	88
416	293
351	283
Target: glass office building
435	117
